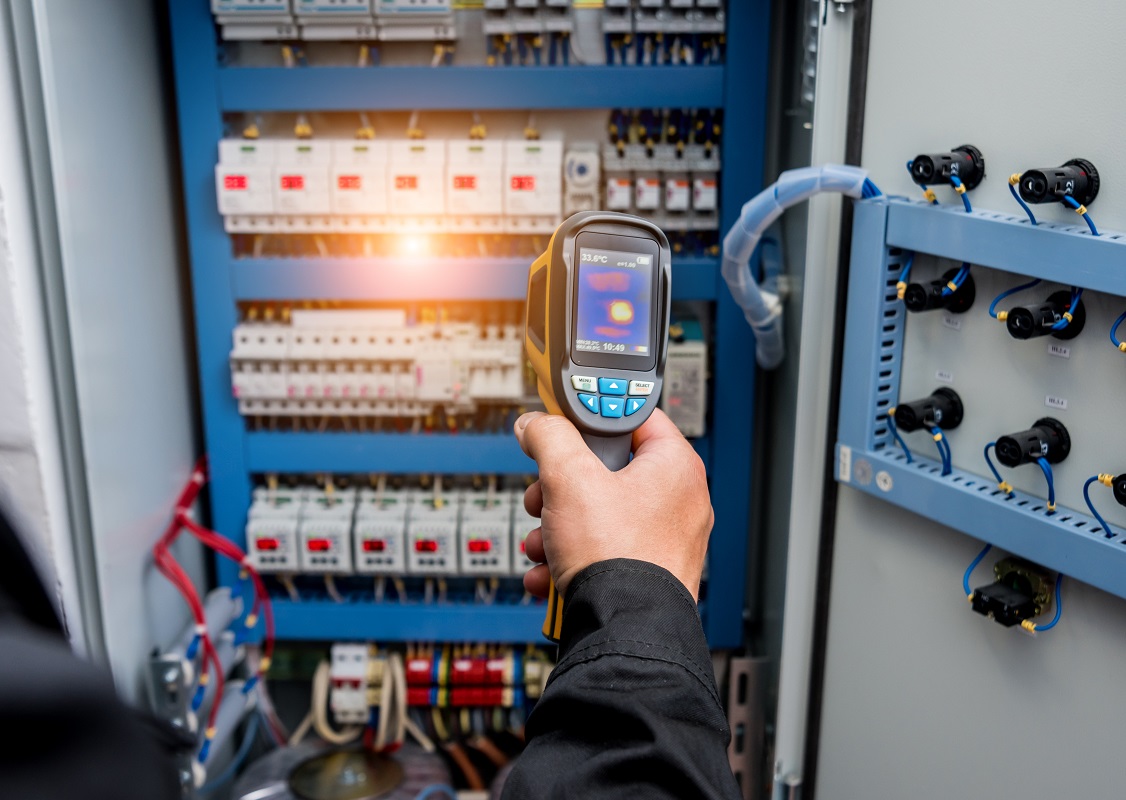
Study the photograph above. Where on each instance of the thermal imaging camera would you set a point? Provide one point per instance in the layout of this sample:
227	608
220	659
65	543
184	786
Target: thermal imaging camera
597	333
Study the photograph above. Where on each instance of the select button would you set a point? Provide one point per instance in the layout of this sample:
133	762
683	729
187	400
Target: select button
641	388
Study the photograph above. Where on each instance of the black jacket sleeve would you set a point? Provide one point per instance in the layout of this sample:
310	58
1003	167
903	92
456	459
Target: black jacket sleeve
631	709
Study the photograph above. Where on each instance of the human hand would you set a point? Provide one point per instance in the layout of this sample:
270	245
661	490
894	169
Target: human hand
656	509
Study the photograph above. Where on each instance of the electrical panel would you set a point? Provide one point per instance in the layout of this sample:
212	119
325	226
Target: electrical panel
685	394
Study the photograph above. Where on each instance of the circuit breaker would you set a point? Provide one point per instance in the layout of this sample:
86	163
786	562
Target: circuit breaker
244	179
474	180
348	674
301	170
335	20
417	185
254	19
415	20
533	186
432	535
685	394
325	531
358	183
379	532
485	536
271	529
523	523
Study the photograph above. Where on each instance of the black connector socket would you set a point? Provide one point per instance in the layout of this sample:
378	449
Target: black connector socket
943	408
1077	178
965	163
1119	488
1022	591
1047	439
929	297
1028	322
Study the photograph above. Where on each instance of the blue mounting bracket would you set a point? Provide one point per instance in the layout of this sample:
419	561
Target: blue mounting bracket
884	231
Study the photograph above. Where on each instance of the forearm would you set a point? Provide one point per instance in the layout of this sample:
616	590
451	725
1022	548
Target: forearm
632	708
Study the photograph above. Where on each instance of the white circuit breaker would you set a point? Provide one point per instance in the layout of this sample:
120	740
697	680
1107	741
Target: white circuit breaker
533	183
325	532
417	185
244	181
523	523
271	529
432	535
380	531
619	191
647	192
358	184
474	181
415	20
684	396
485	536
254	19
348	674
301	168
335	20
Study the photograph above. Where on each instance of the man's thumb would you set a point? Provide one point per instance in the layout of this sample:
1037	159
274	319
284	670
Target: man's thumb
550	439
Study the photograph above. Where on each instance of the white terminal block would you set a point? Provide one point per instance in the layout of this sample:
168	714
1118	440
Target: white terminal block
271	530
301	184
432	535
647	192
685	394
244	179
335	20
523	523
678	193
485	536
325	532
415	20
533	183
705	193
619	192
348	673
358	185
417	185
380	531
474	180
260	340
261	20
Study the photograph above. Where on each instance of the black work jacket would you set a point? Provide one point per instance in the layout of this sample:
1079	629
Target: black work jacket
631	709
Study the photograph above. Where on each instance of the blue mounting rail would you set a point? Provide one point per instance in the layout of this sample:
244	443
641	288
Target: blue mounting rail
206	90
867	458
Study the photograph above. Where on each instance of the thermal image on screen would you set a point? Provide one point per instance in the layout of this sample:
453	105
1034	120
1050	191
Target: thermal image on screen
613	304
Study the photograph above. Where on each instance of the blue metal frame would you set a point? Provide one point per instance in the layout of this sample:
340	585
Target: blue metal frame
206	89
1067	541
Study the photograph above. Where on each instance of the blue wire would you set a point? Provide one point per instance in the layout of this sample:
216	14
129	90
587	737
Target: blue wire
954	179
1007	293
237	761
898	438
1114	330
1016	196
943	450
193	645
437	787
973	565
907	270
1046	468
921	186
870	190
1071	201
1090	505
1062	323
989	461
1059	606
959	279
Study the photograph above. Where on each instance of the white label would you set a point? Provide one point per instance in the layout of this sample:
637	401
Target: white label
1058	350
884	481
942	376
844	464
1056	402
953	323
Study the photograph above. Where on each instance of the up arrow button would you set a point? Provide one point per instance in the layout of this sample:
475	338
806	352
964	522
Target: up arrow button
612	386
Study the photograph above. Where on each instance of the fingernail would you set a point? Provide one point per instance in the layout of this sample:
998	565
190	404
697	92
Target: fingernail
523	420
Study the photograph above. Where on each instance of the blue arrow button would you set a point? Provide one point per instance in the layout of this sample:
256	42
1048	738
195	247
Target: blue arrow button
590	401
612	406
634	404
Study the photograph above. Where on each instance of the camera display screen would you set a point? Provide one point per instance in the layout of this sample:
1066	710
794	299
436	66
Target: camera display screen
614	303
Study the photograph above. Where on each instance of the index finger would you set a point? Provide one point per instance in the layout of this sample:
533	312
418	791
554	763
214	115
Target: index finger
657	432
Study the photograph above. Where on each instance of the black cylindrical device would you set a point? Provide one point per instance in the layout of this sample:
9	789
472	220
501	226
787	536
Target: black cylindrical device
965	163
1028	322
1077	178
942	408
1047	439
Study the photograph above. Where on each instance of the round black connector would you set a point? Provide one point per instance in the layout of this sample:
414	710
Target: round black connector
929	297
1078	178
1047	439
1028	322
943	408
1120	489
964	162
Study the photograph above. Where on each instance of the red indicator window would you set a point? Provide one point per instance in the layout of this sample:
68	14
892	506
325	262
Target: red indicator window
318	545
523	547
465	181
480	545
348	182
426	546
523	183
234	183
406	182
374	545
267	543
292	183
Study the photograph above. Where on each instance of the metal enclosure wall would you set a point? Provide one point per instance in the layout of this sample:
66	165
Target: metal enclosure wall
922	698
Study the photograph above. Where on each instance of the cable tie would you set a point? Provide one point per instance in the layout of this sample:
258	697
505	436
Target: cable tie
930	195
1067	315
1005	487
952	286
1002	316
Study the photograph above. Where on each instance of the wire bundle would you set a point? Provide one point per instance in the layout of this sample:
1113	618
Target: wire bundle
956	282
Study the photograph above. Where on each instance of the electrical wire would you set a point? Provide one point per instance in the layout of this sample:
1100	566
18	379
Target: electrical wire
895	433
1029	625
943	450
1104	479
1114	331
1014	179
436	788
1003	315
960	188
1002	484
238	760
1046	468
927	193
1068	315
901	284
970	569
956	282
321	680
1081	210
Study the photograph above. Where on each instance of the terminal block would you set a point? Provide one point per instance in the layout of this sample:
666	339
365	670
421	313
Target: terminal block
416	20
261	20
1077	179
934	295
1047	439
942	408
1021	591
335	20
1028	322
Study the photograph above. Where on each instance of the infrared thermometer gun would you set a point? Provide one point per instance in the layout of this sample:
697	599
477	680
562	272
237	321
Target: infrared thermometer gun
597	334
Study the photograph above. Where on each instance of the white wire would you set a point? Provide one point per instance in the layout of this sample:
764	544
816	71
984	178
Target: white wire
321	683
